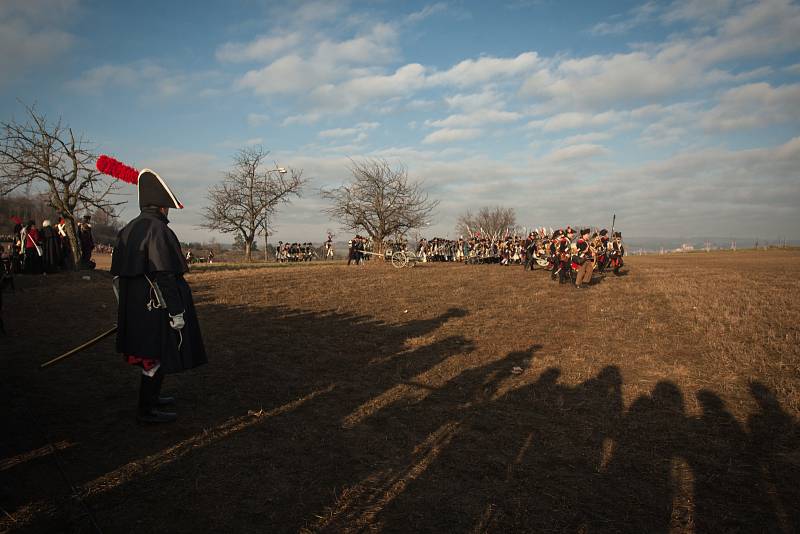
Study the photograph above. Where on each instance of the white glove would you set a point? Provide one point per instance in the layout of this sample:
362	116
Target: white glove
176	321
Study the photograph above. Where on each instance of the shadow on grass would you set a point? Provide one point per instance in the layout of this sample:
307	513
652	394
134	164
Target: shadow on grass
323	421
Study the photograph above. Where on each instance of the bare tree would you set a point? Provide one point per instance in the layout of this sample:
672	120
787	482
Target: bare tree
491	222
48	158
380	200
249	195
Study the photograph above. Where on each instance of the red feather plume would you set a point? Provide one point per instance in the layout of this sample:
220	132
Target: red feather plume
117	169
16	219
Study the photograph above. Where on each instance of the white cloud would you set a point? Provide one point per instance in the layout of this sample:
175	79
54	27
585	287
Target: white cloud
359	91
262	48
575	120
693	11
289	74
487	98
753	106
302	118
576	152
420	104
426	12
653	71
359	129
449	135
624	23
161	82
257	119
479	117
31	34
485	69
320	61
585	138
376	47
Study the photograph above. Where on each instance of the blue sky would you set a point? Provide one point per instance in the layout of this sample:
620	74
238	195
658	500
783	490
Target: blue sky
682	117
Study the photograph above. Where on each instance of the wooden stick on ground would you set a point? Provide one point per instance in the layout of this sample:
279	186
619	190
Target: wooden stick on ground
79	348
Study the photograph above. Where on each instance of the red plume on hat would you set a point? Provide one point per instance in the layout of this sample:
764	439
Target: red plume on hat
117	169
152	189
15	219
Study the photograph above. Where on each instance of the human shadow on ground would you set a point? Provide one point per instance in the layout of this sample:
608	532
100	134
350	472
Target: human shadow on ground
543	457
323	421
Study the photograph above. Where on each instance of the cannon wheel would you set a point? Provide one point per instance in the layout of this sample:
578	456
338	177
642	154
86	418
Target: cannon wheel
399	260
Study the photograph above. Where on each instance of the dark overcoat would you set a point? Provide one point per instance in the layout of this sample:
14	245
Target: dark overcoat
147	249
51	250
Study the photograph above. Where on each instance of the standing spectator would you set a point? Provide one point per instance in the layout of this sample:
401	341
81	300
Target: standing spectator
87	242
51	248
5	279
63	240
17	250
31	240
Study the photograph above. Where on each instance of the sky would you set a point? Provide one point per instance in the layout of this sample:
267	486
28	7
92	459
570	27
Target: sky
682	118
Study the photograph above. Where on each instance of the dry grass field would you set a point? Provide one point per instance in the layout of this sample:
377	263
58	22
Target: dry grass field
351	399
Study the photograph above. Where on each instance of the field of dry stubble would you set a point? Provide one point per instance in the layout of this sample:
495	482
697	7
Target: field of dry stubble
345	399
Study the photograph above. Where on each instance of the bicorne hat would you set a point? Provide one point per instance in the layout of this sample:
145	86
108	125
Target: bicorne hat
153	190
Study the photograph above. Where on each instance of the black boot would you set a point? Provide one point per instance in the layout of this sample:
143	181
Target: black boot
158	400
147	412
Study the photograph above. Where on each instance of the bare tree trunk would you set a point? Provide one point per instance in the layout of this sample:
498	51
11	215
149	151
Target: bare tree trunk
248	250
74	245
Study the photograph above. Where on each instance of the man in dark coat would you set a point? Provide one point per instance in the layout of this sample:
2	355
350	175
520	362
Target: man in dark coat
157	323
87	242
51	248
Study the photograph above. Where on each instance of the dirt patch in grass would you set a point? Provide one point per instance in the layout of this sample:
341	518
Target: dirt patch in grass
344	399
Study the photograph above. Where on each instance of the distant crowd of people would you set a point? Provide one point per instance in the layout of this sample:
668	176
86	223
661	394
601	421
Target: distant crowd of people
292	252
41	250
191	257
566	253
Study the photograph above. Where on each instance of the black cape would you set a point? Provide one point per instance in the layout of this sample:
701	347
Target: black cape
148	249
51	250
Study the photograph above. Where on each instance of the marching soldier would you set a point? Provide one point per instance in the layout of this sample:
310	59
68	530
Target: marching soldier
157	324
585	258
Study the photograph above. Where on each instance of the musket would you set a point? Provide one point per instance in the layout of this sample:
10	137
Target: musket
79	348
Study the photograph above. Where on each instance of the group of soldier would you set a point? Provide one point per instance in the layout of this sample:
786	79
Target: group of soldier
293	252
358	249
568	254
